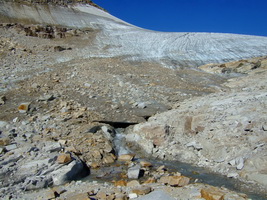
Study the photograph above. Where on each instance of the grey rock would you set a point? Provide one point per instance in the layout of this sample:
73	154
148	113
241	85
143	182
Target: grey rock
11	147
134	172
264	127
240	163
158	194
52	147
195	145
3	124
1	150
73	171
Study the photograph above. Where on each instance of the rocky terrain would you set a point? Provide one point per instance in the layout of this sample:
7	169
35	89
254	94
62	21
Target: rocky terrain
70	87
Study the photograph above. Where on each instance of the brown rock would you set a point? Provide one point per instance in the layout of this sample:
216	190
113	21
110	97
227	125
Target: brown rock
133	183
83	196
23	107
162	168
179	181
101	195
120	197
4	141
120	183
95	165
212	193
142	190
109	159
63	158
126	157
145	164
150	180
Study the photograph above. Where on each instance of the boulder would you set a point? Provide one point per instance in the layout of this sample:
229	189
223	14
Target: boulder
134	172
72	171
120	183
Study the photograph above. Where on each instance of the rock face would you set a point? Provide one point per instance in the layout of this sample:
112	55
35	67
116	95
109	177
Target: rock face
174	51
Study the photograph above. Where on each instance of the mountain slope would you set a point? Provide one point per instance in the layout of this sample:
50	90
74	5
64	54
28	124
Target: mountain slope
118	38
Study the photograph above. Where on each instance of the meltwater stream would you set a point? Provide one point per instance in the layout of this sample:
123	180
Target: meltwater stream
202	175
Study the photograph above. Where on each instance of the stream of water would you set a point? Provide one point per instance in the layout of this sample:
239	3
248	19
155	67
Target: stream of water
201	175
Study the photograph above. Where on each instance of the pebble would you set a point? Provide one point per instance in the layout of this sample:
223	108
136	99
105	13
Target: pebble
23	107
132	195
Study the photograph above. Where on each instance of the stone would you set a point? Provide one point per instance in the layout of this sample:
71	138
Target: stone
64	158
52	147
109	159
120	183
150	180
72	171
212	193
24	107
3	124
239	163
161	168
134	172
120	197
179	181
132	196
142	190
2	150
3	100
230	196
4	141
145	164
83	196
264	127
133	183
126	157
158	194
11	147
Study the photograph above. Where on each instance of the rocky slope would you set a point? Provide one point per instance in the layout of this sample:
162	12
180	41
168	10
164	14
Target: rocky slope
225	131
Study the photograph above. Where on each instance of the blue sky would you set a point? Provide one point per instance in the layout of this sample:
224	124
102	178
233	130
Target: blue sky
224	16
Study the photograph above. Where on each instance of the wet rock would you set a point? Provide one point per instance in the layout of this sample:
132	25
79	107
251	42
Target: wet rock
23	107
134	172
64	158
126	157
159	194
4	141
